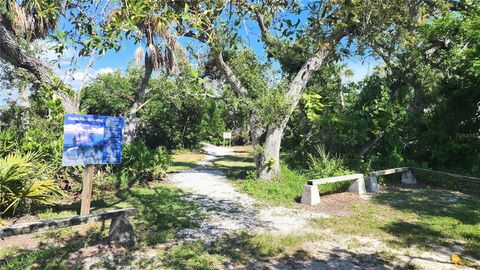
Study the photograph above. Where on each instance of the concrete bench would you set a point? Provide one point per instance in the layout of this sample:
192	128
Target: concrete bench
311	196
121	231
407	177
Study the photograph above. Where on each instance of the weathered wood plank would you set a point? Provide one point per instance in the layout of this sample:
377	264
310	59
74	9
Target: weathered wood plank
39	226
445	174
389	171
335	179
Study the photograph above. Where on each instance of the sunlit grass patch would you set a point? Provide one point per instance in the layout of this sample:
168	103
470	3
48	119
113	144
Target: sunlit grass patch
183	160
420	218
191	255
161	214
235	167
282	191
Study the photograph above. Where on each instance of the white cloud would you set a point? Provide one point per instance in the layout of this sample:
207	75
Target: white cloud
67	65
104	71
80	129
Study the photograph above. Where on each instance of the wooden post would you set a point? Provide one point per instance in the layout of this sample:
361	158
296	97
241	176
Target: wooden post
87	181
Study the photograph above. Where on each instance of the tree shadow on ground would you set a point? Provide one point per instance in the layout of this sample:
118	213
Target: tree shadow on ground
244	249
161	214
443	218
66	253
234	167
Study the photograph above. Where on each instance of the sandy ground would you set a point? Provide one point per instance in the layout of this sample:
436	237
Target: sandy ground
229	210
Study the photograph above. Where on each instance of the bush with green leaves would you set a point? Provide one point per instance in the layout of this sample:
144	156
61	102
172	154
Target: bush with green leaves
140	163
323	164
24	182
8	141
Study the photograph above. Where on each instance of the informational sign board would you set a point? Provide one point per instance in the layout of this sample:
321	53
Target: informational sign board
227	135
92	139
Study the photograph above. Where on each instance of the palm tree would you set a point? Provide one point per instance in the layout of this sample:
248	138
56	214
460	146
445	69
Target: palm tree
161	51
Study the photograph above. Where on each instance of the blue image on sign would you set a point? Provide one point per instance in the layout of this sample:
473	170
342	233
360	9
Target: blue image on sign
92	139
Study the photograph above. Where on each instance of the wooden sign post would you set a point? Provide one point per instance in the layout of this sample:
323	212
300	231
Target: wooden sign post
89	140
87	182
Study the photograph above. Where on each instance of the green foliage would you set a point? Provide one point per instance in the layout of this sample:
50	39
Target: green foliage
323	164
8	141
191	256
141	164
22	183
110	93
282	191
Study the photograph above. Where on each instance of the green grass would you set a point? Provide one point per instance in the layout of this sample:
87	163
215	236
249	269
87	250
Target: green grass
235	167
185	160
239	248
286	190
420	218
191	256
161	214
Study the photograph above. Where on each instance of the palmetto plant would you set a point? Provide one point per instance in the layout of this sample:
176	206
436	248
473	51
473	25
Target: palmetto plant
30	18
22	182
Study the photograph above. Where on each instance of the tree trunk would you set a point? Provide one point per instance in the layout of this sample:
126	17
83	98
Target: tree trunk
13	53
267	140
269	158
131	121
268	161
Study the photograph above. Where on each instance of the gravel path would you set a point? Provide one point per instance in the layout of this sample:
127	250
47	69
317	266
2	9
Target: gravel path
229	210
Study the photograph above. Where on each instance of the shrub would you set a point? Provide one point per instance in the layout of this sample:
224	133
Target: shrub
323	164
8	141
141	163
22	183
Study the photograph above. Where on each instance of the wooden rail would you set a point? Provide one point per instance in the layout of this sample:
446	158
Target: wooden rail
445	174
335	179
311	195
389	171
120	228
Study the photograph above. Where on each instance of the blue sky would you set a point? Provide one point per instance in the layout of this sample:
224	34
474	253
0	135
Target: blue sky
74	75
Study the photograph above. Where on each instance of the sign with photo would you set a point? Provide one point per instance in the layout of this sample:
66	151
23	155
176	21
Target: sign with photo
92	139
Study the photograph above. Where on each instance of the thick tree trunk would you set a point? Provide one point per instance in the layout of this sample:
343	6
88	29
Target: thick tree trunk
13	53
269	158
268	161
131	121
267	140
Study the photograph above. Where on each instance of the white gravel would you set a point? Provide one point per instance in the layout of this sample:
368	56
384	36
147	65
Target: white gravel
229	210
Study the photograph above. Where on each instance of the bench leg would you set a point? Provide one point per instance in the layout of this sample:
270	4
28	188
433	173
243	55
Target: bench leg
358	186
310	195
121	231
372	184
408	178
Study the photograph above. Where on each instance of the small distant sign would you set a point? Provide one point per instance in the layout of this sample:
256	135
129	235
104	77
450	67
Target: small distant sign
227	135
92	139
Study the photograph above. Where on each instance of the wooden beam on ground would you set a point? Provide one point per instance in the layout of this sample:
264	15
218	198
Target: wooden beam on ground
335	179
389	171
39	226
449	175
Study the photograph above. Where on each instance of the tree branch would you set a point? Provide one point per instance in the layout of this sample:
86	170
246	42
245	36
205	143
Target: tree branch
14	54
230	76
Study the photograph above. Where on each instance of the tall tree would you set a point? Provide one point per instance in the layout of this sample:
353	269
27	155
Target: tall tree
302	37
